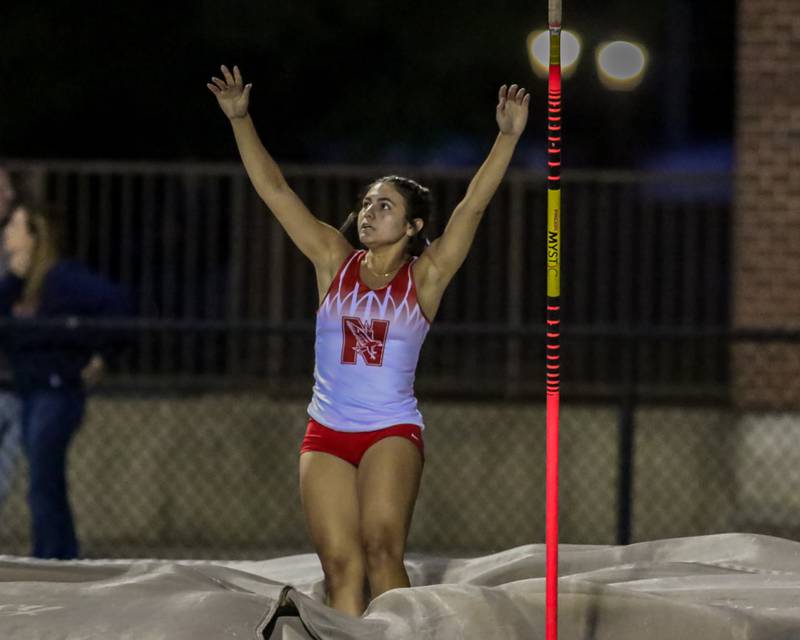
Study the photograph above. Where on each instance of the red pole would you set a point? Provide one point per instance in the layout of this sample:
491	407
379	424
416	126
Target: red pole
553	316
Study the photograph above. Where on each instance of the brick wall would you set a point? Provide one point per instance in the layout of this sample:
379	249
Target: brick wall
767	216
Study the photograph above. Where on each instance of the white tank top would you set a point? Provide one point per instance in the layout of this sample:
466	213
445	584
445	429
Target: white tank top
367	347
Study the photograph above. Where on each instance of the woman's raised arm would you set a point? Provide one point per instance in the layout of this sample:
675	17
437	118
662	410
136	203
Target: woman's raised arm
318	241
447	253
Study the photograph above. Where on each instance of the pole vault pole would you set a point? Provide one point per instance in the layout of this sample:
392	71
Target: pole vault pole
553	315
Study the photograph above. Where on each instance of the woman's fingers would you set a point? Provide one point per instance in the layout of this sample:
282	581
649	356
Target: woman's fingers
228	76
237	75
514	94
501	98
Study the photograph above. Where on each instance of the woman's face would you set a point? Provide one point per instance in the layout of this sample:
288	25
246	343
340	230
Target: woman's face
17	236
382	219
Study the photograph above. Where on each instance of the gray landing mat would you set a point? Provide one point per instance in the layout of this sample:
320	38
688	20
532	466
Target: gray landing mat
728	586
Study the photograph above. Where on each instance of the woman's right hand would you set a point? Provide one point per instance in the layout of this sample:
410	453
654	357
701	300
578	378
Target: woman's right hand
232	96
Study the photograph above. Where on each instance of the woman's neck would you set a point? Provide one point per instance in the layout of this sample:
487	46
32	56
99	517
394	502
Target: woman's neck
383	263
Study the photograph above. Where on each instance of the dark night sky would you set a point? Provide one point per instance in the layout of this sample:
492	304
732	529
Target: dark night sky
356	82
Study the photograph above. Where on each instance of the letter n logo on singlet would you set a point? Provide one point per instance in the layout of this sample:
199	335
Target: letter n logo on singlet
365	339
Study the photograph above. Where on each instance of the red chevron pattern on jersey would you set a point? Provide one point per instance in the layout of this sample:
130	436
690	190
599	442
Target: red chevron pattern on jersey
367	347
397	301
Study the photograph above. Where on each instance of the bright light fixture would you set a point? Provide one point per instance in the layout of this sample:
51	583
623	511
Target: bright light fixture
621	64
539	52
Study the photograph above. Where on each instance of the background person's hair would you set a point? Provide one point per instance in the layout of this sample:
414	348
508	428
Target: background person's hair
419	204
9	184
46	224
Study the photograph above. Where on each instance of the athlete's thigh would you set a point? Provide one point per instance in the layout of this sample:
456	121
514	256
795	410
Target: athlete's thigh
388	482
328	490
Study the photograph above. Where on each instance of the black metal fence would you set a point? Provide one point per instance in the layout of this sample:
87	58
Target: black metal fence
189	447
200	466
193	242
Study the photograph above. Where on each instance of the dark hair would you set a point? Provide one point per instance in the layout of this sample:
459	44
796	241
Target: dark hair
419	205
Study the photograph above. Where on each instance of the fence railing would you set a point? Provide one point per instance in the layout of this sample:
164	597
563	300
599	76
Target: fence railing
194	243
185	465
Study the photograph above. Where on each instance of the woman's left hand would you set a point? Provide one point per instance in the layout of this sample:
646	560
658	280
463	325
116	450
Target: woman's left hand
93	372
512	110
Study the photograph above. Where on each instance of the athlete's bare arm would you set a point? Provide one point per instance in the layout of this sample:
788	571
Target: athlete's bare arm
440	261
319	242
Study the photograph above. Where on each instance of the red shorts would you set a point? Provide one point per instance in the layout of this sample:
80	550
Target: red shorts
351	446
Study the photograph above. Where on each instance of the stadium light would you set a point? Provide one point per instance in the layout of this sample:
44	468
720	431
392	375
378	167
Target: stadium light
539	52
621	64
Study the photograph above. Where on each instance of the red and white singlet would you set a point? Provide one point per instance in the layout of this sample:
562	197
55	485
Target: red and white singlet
367	347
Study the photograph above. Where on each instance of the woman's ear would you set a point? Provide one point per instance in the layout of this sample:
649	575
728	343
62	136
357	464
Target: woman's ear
416	226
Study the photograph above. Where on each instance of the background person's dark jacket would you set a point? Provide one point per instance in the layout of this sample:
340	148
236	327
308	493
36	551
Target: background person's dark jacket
54	356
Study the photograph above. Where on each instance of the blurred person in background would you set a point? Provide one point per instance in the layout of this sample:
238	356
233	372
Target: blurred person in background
10	444
8	195
52	365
